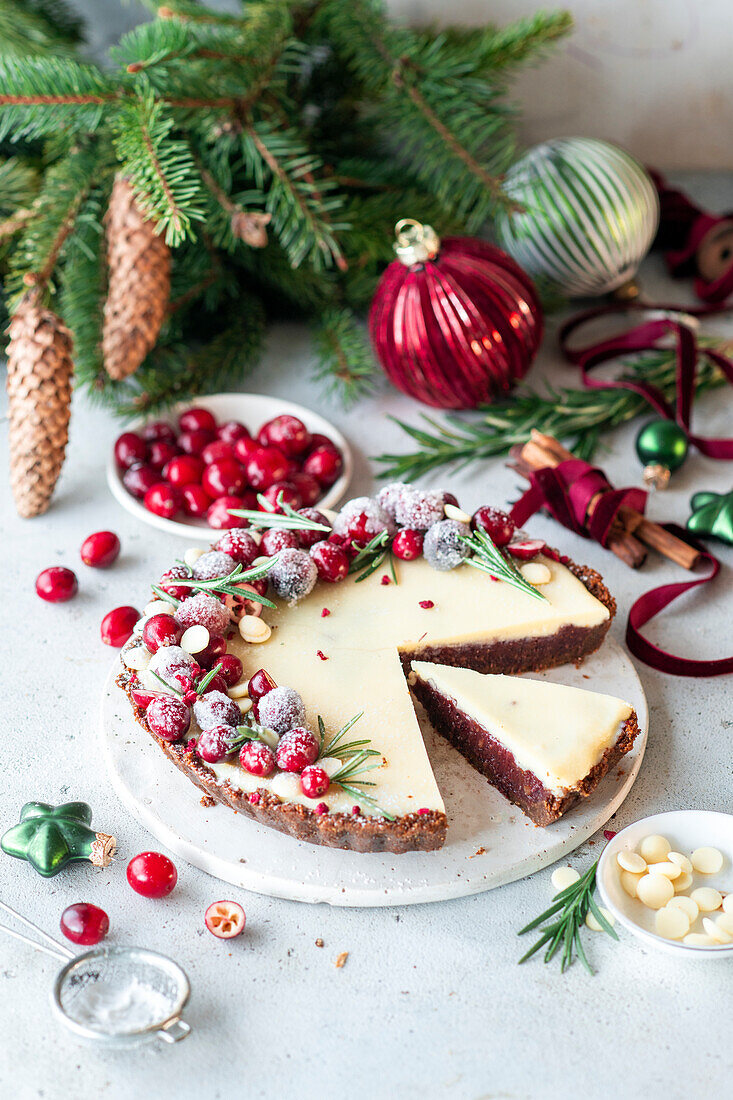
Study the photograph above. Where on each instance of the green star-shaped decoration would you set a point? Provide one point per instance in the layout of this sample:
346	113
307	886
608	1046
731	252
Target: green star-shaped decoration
49	837
712	515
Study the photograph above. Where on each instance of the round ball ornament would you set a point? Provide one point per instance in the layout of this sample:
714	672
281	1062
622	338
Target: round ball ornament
662	446
587	215
455	324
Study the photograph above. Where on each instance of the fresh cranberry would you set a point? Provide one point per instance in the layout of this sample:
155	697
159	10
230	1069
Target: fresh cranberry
274	540
57	584
196	419
318	439
527	549
296	750
158	430
239	545
230	669
310	538
245	447
307	487
168	717
260	585
161	630
214	744
213	653
129	449
407	544
218	514
161	453
168	582
449	498
260	683
225	919
196	501
193	442
152	874
216	451
142	697
286	432
224	478
265	466
231	431
100	549
163	500
257	759
246	603
184	470
314	781
216	683
331	561
84	923
282	492
118	624
497	524
324	464
139	478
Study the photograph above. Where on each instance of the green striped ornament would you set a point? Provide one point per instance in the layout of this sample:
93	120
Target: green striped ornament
589	215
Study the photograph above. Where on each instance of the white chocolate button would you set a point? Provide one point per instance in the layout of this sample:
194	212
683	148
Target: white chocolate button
457	514
697	939
592	921
158	607
195	639
725	921
707	898
716	933
669	870
562	877
270	738
330	765
631	861
630	882
286	785
728	903
654	848
536	573
686	904
138	658
681	861
240	690
254	629
707	861
192	555
682	882
245	705
654	891
672	924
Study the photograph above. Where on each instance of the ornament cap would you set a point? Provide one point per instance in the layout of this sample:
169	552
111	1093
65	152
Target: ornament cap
656	476
416	243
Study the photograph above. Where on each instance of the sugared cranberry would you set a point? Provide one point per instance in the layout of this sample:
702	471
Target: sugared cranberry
310	538
84	923
100	549
314	781
232	431
497	524
129	449
260	683
324	464
168	717
307	486
117	625
230	669
163	500
161	453
214	744
158	430
213	653
184	470
57	584
193	442
257	759
273	541
142	697
240	545
161	630
296	750
407	544
286	432
245	447
197	419
139	478
225	919
527	549
331	561
216	451
282	492
223	478
151	874
265	466
218	515
168	582
196	501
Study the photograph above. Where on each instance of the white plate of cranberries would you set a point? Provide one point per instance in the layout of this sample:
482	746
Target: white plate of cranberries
183	472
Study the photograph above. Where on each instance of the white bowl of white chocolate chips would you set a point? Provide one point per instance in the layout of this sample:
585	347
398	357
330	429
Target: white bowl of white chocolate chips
668	879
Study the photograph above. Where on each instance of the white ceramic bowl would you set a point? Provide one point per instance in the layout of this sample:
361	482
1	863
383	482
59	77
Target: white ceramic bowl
252	409
686	830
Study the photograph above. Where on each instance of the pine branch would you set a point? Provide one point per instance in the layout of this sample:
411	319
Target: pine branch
37	28
18	188
491	49
83	287
346	362
41	95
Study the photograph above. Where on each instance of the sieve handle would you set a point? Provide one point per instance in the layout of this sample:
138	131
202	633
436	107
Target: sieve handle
174	1030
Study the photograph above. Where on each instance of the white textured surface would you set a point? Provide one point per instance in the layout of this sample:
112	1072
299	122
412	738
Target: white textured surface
430	1002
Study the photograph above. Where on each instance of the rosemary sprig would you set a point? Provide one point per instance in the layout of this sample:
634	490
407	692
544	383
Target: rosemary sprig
287	520
576	416
489	559
226	585
353	756
199	687
371	556
571	906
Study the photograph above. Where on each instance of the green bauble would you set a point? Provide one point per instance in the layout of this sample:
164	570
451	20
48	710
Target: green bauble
662	443
50	837
712	515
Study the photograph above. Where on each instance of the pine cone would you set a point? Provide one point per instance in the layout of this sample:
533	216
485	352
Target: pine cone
139	263
39	390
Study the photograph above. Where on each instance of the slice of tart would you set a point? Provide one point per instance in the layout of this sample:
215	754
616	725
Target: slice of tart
543	745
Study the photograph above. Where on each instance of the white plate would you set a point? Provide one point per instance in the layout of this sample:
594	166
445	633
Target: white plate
686	830
252	410
489	841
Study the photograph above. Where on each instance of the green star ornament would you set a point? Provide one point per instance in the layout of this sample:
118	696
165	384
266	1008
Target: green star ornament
712	515
49	837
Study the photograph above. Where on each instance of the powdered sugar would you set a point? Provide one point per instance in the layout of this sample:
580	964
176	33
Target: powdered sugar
211	566
173	665
239	544
204	609
443	547
293	575
390	496
216	709
281	710
362	518
419	509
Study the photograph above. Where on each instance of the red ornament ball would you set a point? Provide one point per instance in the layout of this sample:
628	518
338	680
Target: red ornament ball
454	324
